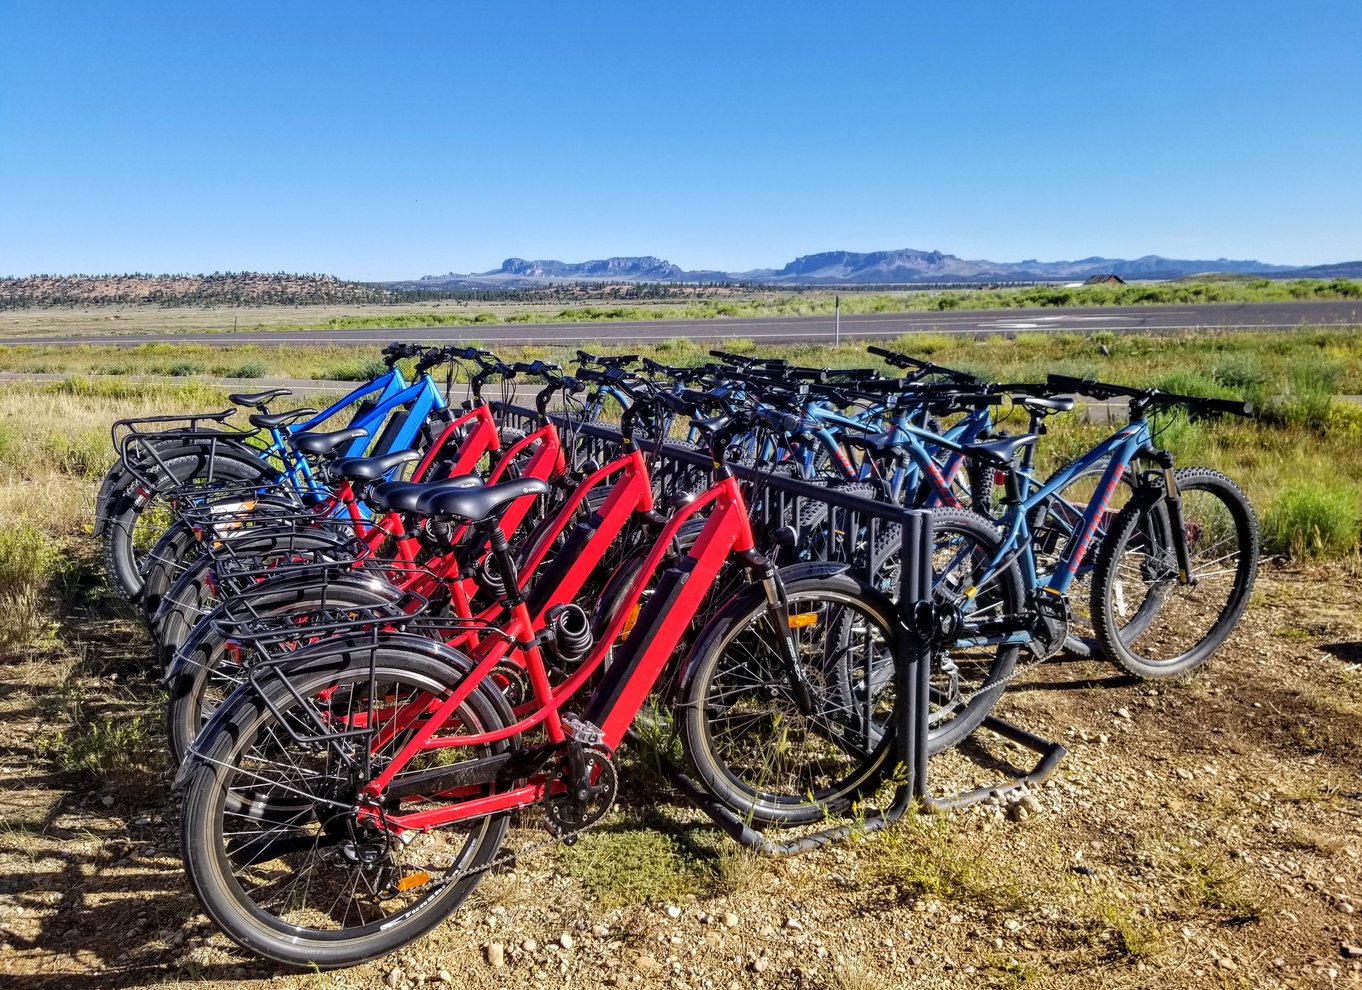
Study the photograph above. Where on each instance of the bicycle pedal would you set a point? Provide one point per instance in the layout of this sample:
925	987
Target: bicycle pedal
583	732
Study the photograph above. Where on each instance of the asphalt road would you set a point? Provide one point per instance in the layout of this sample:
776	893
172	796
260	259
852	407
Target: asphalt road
792	329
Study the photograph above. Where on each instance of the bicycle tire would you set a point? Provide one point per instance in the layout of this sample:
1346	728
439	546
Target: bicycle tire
967	541
129	507
1139	549
247	727
807	789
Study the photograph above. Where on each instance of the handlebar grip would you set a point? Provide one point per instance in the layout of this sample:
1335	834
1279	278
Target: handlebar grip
1231	407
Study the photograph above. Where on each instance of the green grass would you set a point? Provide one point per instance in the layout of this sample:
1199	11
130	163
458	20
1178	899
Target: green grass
924	857
628	862
822	302
1297	461
1138	938
112	745
1315	517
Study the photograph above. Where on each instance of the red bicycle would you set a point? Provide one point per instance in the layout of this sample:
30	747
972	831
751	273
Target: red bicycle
351	793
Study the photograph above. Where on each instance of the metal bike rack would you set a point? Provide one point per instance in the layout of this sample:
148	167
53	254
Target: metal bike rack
849	518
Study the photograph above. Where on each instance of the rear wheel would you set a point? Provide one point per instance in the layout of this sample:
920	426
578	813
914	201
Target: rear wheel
969	676
207	668
137	518
273	846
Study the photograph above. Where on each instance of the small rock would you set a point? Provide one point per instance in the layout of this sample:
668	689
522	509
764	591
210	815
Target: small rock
530	945
107	800
1351	951
646	964
446	976
395	977
600	931
1123	713
793	924
496	957
1012	924
730	920
761	963
566	940
673	911
1184	774
1225	962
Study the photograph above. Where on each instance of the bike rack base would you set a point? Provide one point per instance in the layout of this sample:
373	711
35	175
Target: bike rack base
1050	754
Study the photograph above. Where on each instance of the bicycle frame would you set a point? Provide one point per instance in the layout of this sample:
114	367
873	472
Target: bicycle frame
1118	451
626	685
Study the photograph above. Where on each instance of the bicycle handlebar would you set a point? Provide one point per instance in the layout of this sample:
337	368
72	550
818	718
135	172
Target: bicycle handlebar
1150	396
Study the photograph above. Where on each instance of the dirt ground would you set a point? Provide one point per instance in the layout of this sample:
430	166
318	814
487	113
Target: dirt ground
1200	833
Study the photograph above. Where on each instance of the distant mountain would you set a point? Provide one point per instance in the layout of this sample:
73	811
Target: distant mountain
906	266
1347	269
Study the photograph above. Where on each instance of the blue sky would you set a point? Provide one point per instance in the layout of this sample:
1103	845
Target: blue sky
394	140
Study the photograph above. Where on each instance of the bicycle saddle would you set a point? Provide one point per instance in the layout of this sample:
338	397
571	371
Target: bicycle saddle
402	496
322	443
257	398
1036	403
476	504
372	468
1002	451
267	421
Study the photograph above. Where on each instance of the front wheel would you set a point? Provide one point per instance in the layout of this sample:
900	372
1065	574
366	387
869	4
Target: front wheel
755	747
1147	619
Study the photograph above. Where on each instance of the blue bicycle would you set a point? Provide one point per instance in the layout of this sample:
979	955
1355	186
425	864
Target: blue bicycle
162	455
1171	573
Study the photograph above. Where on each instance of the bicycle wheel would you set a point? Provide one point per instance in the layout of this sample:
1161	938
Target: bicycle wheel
272	845
1054	524
745	734
967	678
206	670
137	518
1148	621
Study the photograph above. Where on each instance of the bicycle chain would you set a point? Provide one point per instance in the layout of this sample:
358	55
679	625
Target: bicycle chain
567	838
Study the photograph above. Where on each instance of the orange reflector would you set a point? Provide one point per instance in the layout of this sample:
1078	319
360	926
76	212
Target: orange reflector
413	880
806	619
631	620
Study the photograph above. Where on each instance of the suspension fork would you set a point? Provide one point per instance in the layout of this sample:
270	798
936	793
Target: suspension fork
1173	499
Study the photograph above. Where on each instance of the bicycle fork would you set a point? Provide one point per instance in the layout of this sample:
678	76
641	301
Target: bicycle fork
1173	499
778	608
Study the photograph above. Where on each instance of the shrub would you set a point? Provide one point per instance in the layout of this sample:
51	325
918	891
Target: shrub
1239	371
1314	518
27	565
10	438
250	369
